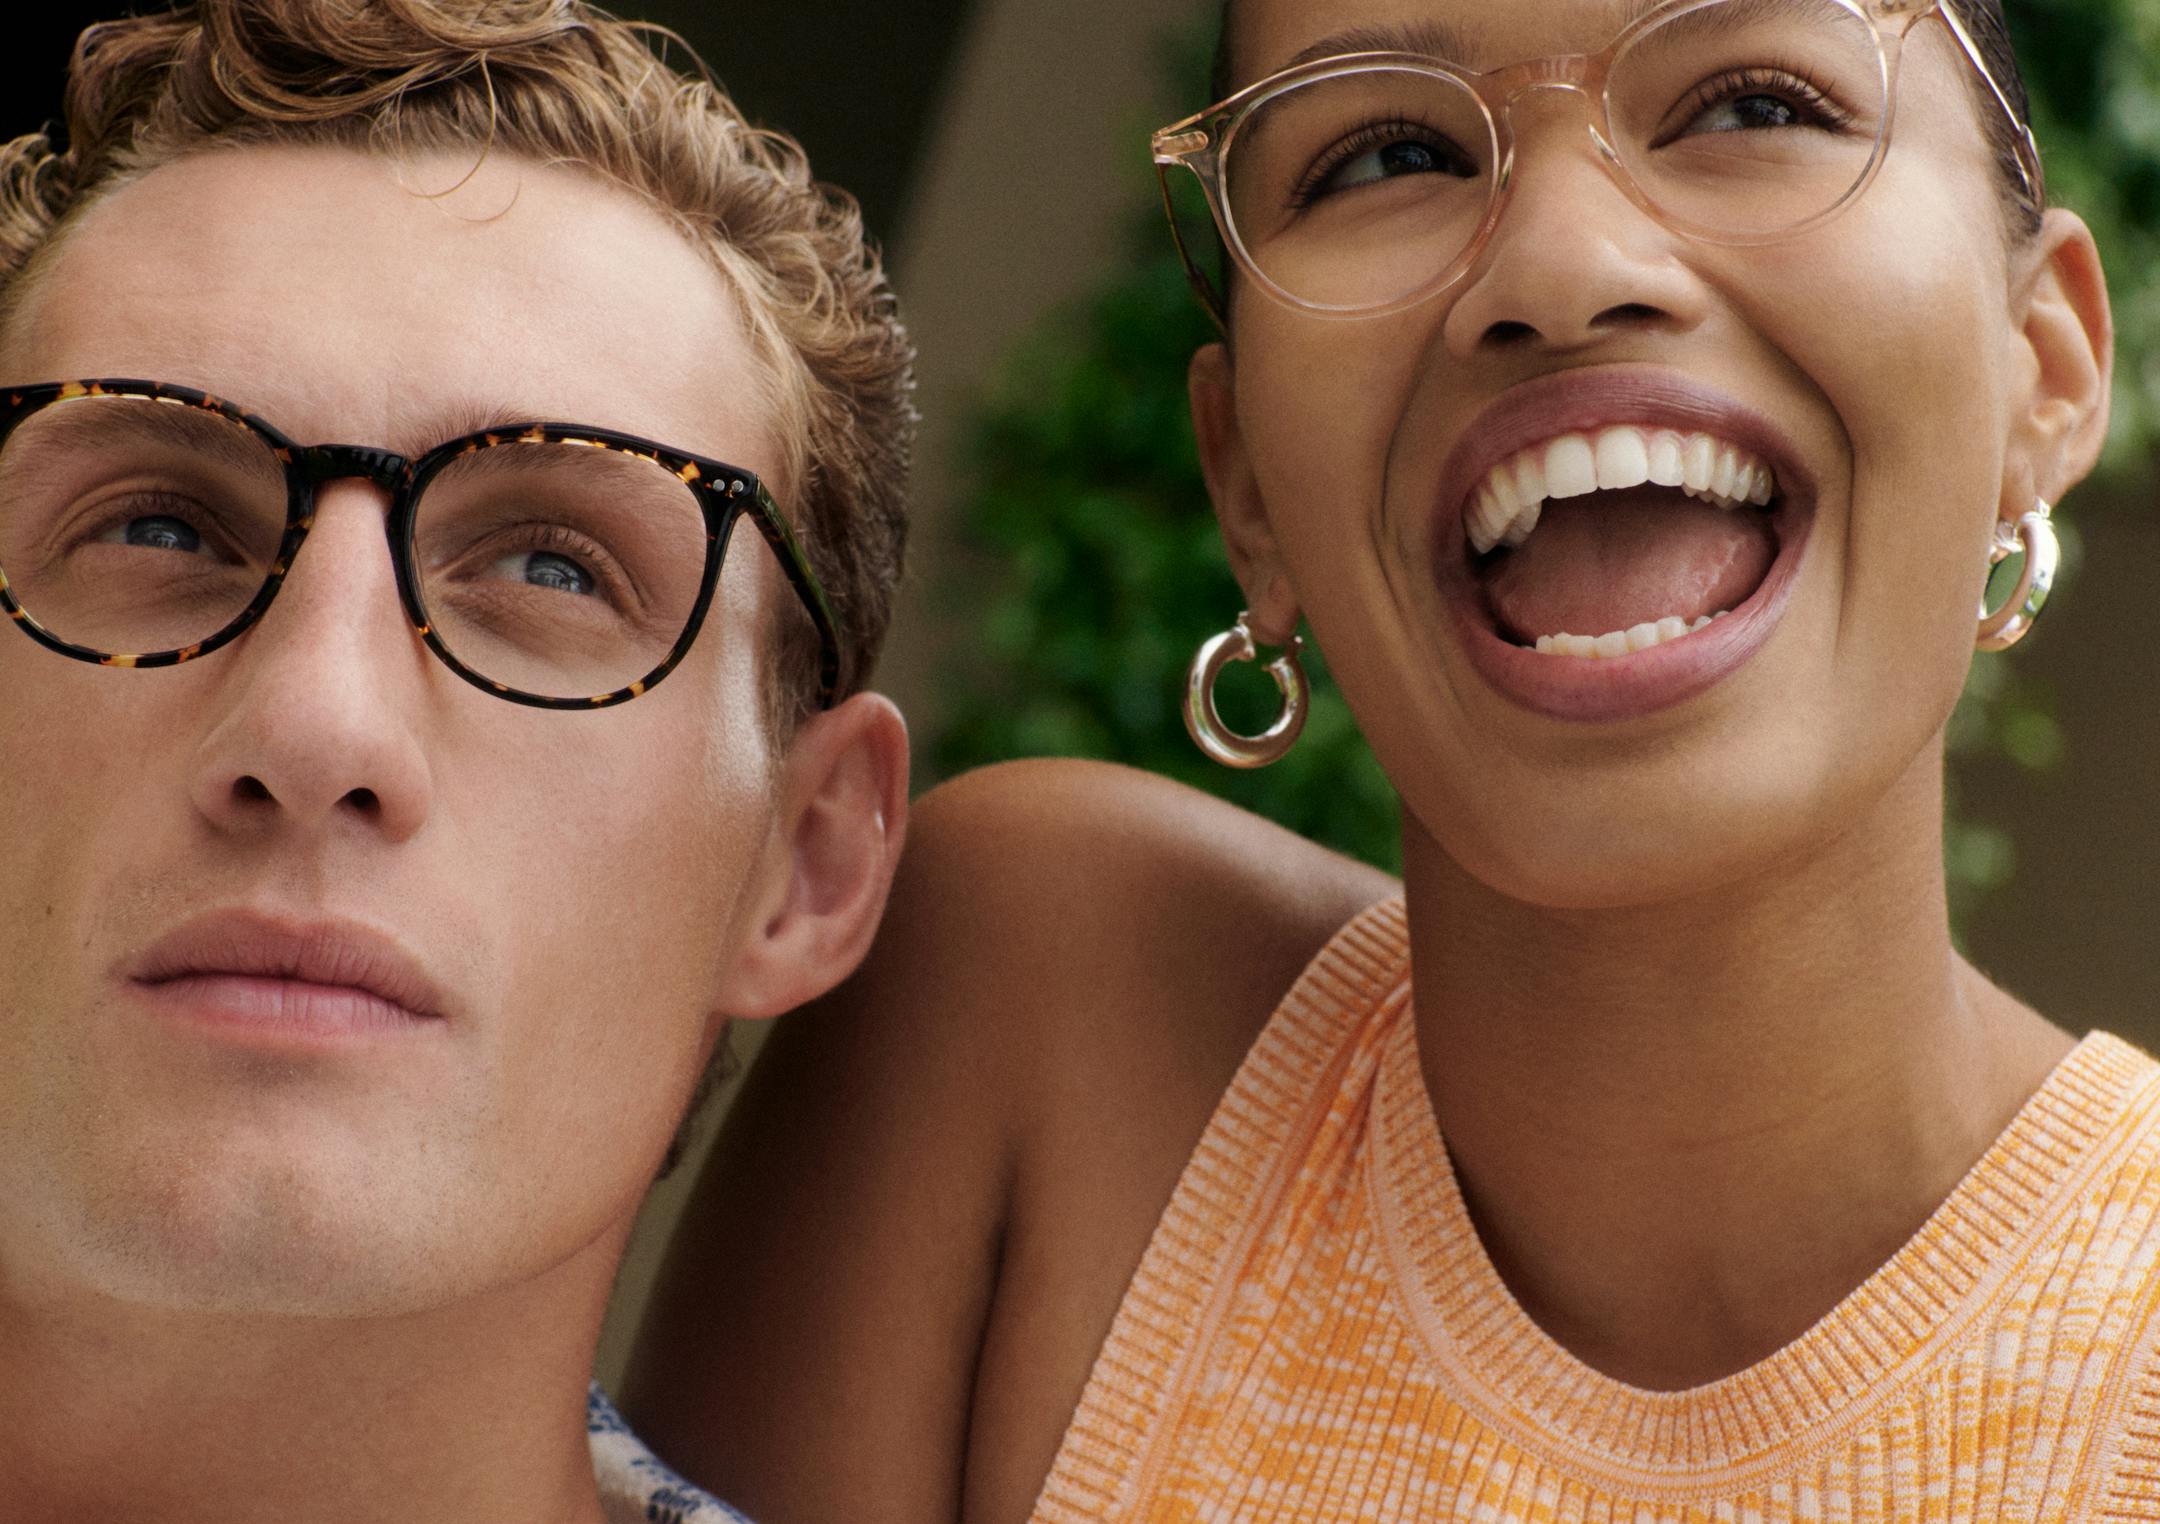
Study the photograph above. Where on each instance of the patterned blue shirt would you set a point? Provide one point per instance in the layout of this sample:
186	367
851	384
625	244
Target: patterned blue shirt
636	1487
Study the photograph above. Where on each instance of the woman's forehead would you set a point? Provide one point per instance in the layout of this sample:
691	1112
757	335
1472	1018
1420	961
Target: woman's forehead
1270	35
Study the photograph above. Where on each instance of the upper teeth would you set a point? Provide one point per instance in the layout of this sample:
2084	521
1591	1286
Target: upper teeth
1505	507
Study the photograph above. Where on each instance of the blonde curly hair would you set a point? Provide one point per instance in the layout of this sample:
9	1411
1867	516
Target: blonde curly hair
560	82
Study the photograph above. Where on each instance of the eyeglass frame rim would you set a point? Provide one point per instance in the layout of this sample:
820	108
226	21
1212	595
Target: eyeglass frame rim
1494	89
724	493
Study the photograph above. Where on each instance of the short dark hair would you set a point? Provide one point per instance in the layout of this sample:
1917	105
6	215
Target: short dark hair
1990	34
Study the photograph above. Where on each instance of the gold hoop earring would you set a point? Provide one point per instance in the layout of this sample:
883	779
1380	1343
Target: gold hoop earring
2035	536
1210	734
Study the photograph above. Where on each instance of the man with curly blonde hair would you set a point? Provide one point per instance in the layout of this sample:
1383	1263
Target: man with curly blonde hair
451	489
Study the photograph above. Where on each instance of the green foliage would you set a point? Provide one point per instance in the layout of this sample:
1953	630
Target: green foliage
1105	572
2093	67
1100	569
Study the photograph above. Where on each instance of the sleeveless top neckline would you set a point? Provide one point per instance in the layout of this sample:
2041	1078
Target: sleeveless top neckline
1316	1331
1711	1437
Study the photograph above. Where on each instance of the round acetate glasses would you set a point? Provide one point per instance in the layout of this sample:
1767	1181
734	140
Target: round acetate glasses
565	567
1362	183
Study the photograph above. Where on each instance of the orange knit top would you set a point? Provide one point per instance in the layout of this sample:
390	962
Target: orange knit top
1316	1334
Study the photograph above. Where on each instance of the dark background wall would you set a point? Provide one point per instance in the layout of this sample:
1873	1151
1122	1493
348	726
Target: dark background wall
857	83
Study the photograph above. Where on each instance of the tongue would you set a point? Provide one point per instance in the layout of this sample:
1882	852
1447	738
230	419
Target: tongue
1613	560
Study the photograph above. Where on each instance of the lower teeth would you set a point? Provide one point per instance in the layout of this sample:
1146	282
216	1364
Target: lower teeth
1624	642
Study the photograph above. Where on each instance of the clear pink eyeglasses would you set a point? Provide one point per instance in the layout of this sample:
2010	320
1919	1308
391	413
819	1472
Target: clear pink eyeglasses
1361	183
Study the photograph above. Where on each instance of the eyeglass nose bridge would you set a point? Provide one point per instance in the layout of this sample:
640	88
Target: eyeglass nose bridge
1569	71
338	462
314	467
318	465
1579	74
1582	75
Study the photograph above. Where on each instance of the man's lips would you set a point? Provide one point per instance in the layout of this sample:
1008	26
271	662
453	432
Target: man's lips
263	969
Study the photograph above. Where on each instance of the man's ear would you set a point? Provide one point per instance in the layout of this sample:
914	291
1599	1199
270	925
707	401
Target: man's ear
815	902
2068	333
1255	559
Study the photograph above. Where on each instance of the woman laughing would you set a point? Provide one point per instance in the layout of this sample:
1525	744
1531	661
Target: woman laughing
1632	400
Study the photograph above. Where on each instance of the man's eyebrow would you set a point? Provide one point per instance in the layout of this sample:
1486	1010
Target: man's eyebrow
419	431
1732	16
84	423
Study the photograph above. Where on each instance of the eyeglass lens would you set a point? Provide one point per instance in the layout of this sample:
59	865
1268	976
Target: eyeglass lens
131	526
1740	117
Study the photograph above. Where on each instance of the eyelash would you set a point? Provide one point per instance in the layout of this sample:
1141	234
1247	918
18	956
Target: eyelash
156	503
561	540
1763	79
1372	135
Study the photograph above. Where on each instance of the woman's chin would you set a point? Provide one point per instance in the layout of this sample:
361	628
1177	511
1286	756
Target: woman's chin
1619	844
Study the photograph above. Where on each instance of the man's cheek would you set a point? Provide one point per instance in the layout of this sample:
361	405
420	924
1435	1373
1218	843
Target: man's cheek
54	821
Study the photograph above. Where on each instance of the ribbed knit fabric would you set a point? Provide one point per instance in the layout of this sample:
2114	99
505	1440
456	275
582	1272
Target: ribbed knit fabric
1315	1332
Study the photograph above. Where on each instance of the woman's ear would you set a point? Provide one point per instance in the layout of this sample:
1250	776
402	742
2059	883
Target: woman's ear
827	864
1255	560
2067	331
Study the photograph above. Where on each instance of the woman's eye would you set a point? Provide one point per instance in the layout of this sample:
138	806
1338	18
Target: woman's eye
1744	112
545	568
1386	163
1758	101
1393	158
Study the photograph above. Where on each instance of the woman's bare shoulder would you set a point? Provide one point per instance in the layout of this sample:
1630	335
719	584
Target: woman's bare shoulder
1120	940
1054	919
924	1206
1070	941
1062	883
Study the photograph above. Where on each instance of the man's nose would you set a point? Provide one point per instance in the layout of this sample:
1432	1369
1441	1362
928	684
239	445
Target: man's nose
320	708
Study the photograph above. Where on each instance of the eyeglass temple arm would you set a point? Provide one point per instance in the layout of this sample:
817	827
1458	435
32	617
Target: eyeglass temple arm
773	525
2028	145
1210	300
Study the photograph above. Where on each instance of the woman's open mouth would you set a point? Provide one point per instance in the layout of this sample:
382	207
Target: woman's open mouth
1611	568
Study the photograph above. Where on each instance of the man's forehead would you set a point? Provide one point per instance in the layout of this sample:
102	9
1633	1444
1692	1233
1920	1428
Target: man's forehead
331	291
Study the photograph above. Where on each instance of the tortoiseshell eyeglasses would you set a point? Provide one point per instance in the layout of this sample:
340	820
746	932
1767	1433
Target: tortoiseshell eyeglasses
551	564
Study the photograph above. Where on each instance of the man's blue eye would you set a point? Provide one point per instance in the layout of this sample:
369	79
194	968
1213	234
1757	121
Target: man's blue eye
560	573
160	532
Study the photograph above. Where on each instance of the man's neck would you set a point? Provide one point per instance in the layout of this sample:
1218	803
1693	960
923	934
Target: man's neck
1686	1131
472	1411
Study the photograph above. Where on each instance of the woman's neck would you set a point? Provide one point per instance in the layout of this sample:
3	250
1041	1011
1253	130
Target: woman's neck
1687	1130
